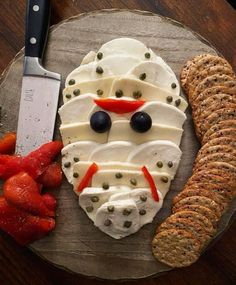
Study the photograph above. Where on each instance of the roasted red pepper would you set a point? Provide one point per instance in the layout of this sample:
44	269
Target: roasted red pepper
8	143
119	106
87	177
52	176
151	183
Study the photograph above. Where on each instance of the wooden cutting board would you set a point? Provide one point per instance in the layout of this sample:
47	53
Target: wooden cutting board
76	244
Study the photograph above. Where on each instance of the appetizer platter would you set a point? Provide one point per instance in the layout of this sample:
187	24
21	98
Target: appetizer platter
135	187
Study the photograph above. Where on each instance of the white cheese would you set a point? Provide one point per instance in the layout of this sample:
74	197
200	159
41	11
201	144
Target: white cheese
158	75
122	131
112	151
148	92
116	224
131	178
92	198
89	57
150	153
81	132
144	201
73	153
78	109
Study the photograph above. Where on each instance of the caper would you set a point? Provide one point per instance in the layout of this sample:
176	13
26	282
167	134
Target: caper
119	93
99	92
127	212
76	92
142	76
94	199
110	208
67	164
173	85
170	164
76	159
143	198
147	55
119	175
177	102
100	55
105	186
71	82
137	94
75	175
142	212
164	179
160	164
127	224
99	70
133	181
68	96
107	223
169	99
89	209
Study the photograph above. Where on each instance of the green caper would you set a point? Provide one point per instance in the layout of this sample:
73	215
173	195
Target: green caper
67	164
89	209
99	92
68	96
75	175
71	82
119	93
143	198
119	175
99	70
107	223
127	224
173	85
137	94
110	208
170	164
76	159
169	99
160	164
142	76
105	186
100	55
133	181
94	199
177	102
147	55
142	212
76	92
127	212
164	179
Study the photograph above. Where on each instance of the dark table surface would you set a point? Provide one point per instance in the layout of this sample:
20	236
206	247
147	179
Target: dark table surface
213	19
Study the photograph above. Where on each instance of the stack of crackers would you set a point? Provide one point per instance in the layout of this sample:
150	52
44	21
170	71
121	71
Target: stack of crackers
210	84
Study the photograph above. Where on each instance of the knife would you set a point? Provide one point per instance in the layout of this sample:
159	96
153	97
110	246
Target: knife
40	87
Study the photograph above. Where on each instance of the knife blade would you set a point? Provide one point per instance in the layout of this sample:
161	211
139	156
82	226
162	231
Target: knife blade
40	87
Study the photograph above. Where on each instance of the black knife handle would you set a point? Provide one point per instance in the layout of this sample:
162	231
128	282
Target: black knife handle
37	24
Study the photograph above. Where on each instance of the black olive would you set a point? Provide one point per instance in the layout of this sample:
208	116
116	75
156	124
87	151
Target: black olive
141	122
100	122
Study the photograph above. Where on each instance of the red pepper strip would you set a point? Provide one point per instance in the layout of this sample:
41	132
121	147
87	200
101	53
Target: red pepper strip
151	182
119	106
8	143
93	168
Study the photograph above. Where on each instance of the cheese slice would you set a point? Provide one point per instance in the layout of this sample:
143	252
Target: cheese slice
158	75
91	199
144	201
81	132
112	151
132	179
164	152
116	224
121	130
78	109
73	153
148	92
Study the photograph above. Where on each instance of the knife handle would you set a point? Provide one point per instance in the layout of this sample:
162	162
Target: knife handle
37	25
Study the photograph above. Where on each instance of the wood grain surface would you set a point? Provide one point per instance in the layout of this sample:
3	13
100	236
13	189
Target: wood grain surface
19	266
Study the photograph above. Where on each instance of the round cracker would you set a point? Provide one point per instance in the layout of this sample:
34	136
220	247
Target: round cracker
176	248
230	132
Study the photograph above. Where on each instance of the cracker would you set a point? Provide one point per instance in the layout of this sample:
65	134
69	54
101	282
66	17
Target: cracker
184	224
176	248
231	133
219	165
220	141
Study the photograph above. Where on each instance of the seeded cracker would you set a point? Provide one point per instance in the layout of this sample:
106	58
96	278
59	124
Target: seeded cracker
177	248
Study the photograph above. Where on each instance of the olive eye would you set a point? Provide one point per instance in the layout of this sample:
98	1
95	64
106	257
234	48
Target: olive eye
141	122
100	122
